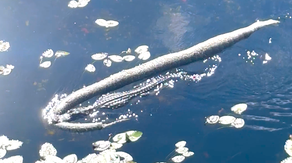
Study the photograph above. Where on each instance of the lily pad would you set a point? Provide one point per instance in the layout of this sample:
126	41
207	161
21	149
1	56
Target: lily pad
141	49
239	108
120	138
107	62
144	56
134	135
127	157
180	144
47	149
46	64
129	58
13	144
2	152
225	120
238	123
179	158
90	68
213	119
101	145
72	158
116	58
99	56
48	53
188	154
181	150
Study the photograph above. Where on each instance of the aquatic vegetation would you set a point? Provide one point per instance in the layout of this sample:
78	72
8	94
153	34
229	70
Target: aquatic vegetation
288	150
8	145
46	64
239	108
4	46
228	119
48	53
90	68
6	70
106	23
79	3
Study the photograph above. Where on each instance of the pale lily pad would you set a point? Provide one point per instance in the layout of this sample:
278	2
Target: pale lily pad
2	152
101	145
47	149
53	159
101	22
46	64
288	147
61	53
13	144
107	62
213	119
144	56
181	150
120	138
6	71
48	53
238	123
178	158
141	49
188	154
90	68
4	46
239	108
180	144
4	141
13	159
83	3
225	120
10	66
267	57
127	157
73	4
134	135
111	23
72	158
116	58
99	56
287	160
129	58
116	145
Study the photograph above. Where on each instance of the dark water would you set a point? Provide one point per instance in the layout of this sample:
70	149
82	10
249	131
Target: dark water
175	114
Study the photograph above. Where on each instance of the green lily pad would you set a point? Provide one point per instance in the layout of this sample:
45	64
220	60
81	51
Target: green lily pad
134	135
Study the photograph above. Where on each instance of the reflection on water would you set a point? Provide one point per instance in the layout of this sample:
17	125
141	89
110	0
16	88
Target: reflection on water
171	27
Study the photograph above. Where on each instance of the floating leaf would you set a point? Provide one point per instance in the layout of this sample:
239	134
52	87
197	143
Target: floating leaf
4	46
53	159
116	58
90	68
129	58
2	152
6	71
267	57
46	64
73	4
83	3
287	160
180	144
4	141
226	119
116	145
288	147
239	108
10	66
13	144
61	53
13	159
181	150
212	119
120	138
107	62
144	56
99	56
101	22
178	158
72	158
188	154
48	53
47	149
111	23
134	135
127	157
141	49
101	145
238	123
